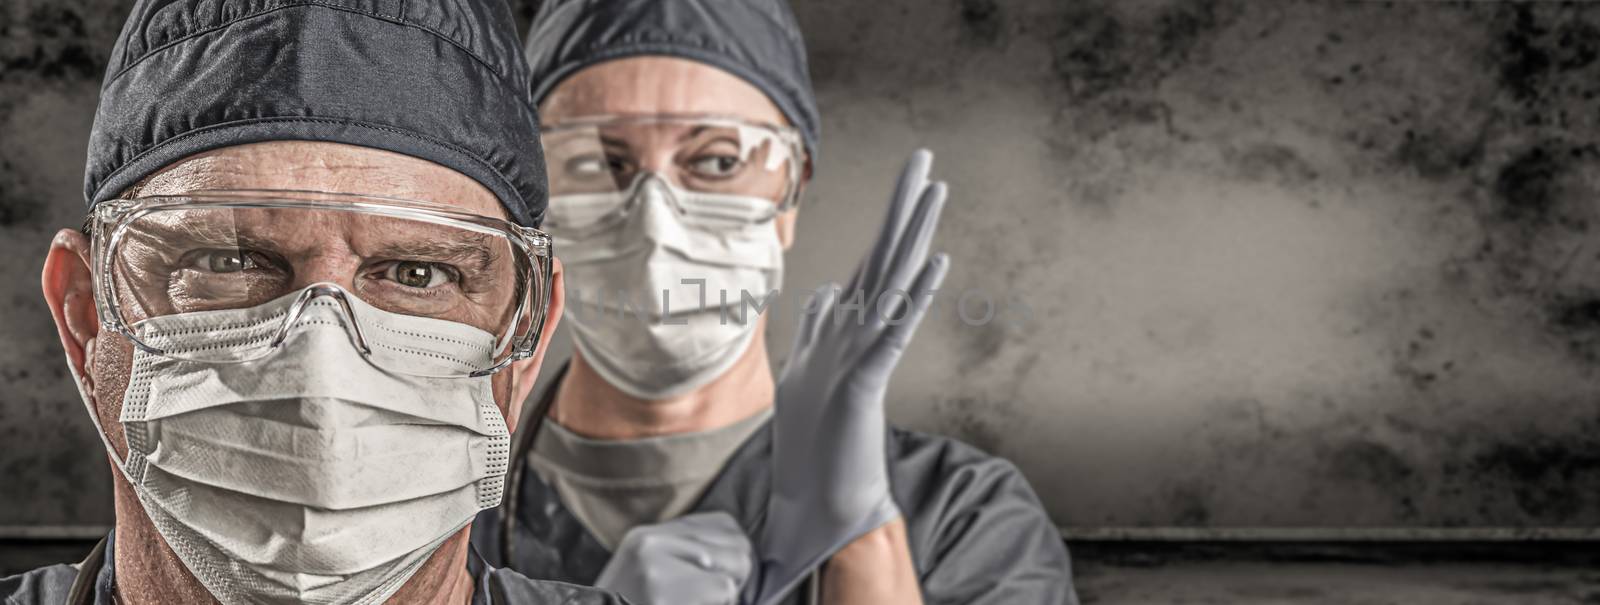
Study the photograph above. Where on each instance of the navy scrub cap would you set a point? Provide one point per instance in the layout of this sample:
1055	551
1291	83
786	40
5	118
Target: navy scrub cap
444	81
757	40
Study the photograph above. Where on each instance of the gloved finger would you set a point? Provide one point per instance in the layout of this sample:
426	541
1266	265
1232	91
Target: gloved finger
907	199
728	560
913	179
717	521
884	354
670	582
912	255
812	319
718	532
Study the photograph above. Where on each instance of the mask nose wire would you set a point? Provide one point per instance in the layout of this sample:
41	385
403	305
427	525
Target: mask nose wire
312	291
663	186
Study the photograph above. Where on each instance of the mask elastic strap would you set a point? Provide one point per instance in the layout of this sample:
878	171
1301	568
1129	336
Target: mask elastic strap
94	417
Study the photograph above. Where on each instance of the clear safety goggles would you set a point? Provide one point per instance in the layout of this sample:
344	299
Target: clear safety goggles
739	171
228	250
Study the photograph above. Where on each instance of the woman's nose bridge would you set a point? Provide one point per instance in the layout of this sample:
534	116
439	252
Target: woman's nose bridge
656	151
659	161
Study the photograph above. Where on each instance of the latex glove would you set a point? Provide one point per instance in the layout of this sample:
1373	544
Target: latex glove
699	559
830	481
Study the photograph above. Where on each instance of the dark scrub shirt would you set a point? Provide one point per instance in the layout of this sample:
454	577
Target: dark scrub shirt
93	582
977	532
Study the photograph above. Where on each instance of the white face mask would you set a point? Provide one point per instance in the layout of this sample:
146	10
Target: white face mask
661	337
311	476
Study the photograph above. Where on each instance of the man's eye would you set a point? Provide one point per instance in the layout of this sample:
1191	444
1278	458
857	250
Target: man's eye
715	165
418	274
226	261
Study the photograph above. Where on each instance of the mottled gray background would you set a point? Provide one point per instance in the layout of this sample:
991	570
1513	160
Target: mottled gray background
1289	264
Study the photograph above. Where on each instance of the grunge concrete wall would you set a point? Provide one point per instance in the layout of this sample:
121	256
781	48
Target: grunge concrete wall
1303	264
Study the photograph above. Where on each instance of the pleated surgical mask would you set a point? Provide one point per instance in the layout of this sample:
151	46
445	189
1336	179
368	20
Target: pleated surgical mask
666	300
311	474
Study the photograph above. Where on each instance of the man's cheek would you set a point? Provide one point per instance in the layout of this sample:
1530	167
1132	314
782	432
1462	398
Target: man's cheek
109	369
504	387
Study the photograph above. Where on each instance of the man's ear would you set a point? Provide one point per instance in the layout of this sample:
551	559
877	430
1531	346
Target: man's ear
526	372
68	285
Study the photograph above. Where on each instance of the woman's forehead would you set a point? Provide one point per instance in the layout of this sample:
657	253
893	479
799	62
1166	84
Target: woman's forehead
658	86
326	167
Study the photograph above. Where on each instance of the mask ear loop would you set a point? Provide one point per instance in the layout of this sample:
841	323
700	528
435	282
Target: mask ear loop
101	267
94	417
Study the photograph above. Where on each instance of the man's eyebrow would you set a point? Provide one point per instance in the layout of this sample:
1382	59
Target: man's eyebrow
206	233
474	247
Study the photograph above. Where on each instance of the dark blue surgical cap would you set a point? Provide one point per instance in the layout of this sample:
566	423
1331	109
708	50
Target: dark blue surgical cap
444	81
757	40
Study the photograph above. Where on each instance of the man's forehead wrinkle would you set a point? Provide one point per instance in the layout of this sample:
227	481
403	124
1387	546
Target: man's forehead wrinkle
183	227
325	167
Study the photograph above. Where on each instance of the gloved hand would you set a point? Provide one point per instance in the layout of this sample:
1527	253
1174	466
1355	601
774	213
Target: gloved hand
830	480
699	559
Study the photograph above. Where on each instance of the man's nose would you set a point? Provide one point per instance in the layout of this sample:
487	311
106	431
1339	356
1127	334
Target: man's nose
327	267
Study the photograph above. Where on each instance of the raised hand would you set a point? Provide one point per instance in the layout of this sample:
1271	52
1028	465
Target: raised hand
830	481
699	559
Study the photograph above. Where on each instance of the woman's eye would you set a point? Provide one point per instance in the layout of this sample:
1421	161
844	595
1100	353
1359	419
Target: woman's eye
418	274
585	166
715	165
597	165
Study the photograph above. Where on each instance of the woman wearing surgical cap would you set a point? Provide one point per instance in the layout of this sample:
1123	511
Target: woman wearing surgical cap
668	462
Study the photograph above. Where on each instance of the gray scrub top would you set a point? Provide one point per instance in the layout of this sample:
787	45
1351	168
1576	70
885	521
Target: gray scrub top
977	532
93	582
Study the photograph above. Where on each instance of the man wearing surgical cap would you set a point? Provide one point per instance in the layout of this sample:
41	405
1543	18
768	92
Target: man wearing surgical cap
667	462
308	299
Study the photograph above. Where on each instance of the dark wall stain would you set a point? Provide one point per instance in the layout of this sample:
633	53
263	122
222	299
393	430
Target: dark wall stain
1582	314
1528	187
1109	59
50	41
972	420
983	342
1440	152
47	44
15	207
982	22
1271	162
1534	186
1416	360
1370	461
1537	232
1349	455
1550	476
1192	503
1537	47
